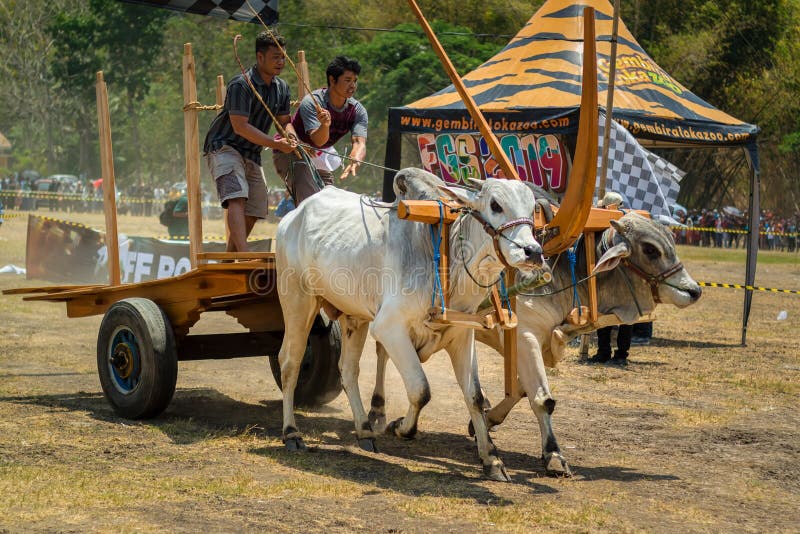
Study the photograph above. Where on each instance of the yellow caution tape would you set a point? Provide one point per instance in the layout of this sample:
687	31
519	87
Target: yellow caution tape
73	197
753	288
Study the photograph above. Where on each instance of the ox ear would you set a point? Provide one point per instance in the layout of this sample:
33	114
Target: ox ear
476	183
612	257
621	227
465	197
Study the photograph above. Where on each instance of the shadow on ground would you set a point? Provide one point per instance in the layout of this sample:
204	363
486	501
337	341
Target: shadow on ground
412	467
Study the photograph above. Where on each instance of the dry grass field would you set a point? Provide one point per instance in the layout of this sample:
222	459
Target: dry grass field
697	434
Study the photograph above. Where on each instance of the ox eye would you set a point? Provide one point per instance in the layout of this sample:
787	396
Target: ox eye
650	251
496	208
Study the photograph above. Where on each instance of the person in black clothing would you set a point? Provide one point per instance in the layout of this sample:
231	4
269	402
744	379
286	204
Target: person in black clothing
642	332
604	345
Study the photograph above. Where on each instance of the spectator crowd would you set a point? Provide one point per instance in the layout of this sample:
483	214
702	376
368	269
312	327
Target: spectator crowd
727	229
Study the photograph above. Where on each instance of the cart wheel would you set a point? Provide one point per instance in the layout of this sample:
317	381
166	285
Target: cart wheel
319	381
136	358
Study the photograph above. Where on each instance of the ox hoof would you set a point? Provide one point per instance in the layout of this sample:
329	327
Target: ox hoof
471	428
496	471
377	421
556	465
394	429
294	444
368	444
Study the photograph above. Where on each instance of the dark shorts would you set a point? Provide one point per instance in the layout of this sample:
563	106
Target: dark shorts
297	176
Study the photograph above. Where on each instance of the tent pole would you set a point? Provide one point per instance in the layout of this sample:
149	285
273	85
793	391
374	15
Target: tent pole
751	150
612	73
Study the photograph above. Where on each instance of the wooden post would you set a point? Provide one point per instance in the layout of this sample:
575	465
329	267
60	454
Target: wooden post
302	68
192	144
109	189
510	355
444	264
220	90
592	283
221	93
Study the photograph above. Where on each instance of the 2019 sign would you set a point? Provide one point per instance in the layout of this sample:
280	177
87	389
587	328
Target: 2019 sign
541	159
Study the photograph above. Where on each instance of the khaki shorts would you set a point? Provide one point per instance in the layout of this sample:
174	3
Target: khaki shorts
238	177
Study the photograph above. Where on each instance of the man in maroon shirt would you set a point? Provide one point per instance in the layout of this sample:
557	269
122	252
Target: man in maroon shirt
325	116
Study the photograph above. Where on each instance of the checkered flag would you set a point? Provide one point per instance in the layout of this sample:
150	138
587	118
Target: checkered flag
227	9
647	181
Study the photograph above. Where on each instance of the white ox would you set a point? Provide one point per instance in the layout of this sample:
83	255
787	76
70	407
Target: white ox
376	268
638	267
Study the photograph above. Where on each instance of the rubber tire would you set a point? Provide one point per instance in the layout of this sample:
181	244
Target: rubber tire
320	381
158	360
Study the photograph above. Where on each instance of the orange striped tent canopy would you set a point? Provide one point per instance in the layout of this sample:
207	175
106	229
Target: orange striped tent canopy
533	85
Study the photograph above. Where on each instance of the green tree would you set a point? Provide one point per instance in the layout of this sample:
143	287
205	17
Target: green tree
399	68
123	41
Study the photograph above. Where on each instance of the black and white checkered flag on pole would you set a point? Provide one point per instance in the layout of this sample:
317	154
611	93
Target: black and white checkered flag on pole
227	9
645	180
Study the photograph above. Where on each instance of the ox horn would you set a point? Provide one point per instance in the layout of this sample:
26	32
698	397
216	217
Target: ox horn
576	205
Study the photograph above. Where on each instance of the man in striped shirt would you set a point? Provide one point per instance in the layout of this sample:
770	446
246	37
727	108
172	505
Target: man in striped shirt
238	134
325	116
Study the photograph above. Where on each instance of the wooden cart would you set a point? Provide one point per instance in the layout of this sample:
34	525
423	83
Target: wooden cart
146	326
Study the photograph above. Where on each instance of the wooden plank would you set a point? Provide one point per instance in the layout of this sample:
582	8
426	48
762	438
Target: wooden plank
603	321
598	220
163	285
458	318
444	264
235	255
226	346
510	375
192	146
180	295
47	289
239	266
109	189
591	260
426	211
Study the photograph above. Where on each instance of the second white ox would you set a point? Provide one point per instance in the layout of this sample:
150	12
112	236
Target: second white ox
376	268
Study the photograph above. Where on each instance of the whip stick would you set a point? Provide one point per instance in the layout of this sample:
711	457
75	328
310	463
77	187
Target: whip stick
483	126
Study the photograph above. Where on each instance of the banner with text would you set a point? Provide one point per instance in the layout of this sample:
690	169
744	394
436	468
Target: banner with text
541	159
60	251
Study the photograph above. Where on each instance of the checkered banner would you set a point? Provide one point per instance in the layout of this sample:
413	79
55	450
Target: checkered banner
227	9
645	180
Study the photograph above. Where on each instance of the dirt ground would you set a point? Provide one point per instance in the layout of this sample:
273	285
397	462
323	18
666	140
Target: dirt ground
697	434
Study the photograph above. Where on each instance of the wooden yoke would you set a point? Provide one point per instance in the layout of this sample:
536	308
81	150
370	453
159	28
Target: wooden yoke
429	212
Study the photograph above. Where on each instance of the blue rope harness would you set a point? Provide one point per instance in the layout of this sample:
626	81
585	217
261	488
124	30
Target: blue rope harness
576	299
436	241
504	293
